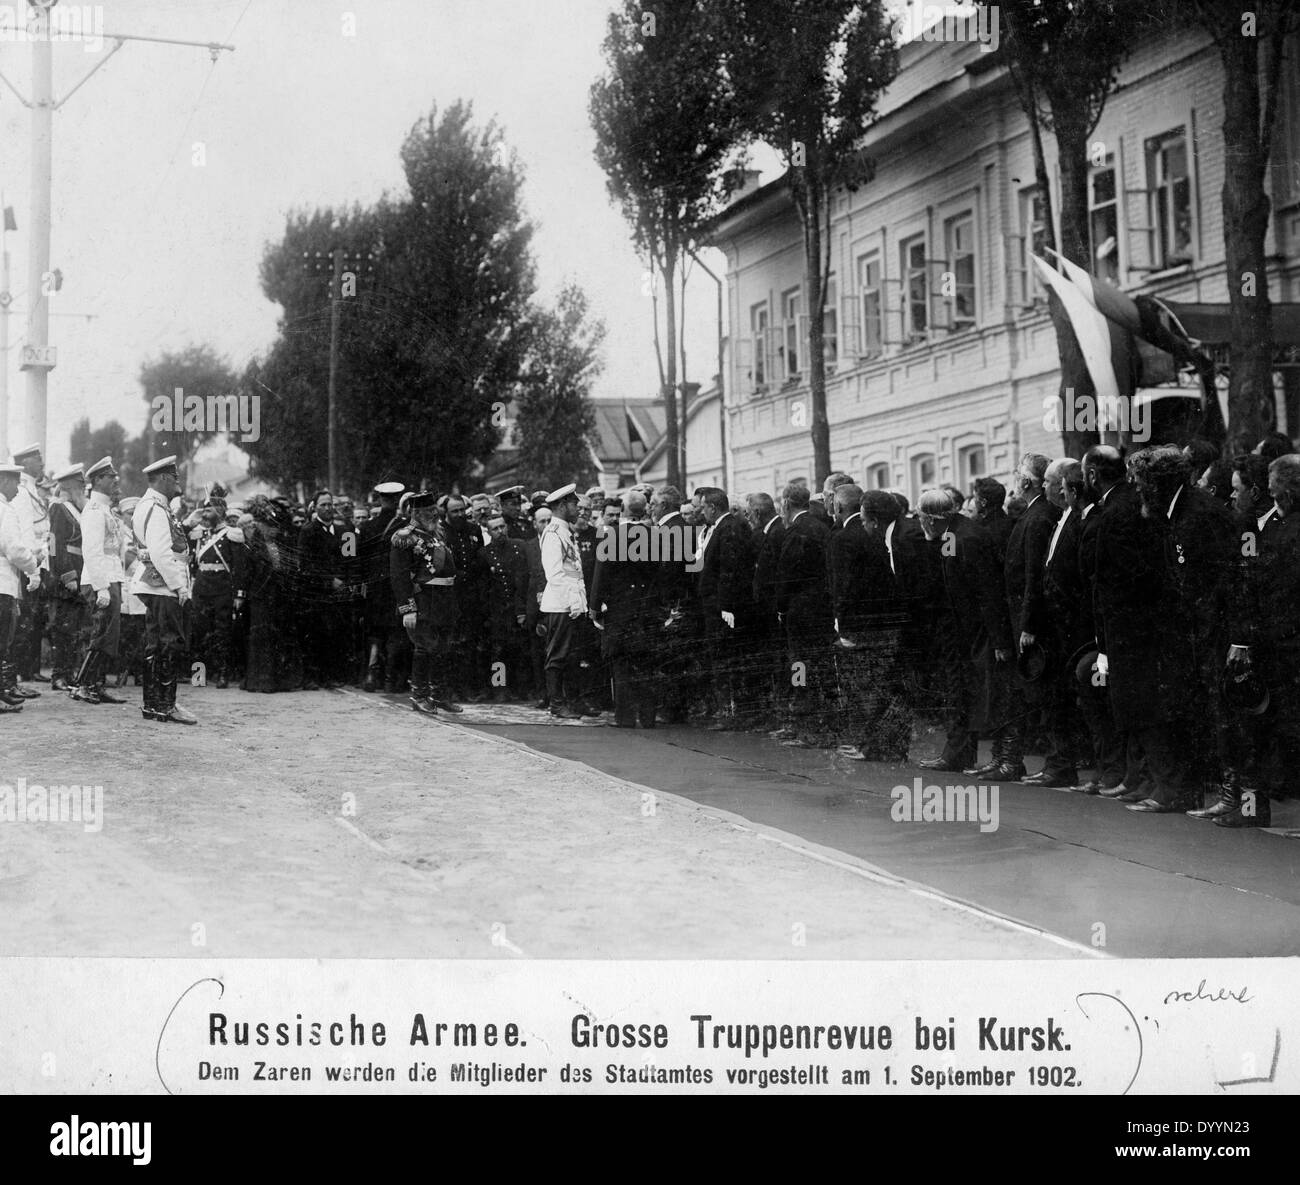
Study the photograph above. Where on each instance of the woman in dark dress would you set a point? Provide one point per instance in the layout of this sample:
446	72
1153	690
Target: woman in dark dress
274	661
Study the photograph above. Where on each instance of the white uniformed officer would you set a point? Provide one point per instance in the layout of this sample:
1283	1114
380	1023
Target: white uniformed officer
102	577
164	587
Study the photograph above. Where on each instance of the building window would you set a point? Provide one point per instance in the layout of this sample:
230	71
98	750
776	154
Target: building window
916	288
831	323
1170	194
959	285
758	330
1103	219
878	477
869	289
924	473
1033	231
791	306
972	463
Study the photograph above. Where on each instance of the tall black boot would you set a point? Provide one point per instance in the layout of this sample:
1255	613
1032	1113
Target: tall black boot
99	680
420	701
9	691
84	688
10	701
149	703
167	707
373	669
555	694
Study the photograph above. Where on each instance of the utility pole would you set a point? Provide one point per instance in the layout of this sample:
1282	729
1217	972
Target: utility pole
38	356
6	299
343	267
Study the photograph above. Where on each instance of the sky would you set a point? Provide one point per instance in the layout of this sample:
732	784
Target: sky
159	241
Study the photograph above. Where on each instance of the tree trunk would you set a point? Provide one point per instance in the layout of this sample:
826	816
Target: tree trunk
1245	224
675	475
813	209
1072	153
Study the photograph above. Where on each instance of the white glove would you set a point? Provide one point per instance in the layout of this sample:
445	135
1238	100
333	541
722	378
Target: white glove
1103	668
34	581
183	595
729	620
102	599
408	621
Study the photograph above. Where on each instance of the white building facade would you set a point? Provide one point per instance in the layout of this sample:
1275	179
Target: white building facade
941	356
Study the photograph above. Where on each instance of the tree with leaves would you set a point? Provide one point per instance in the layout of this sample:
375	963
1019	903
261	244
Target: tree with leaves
808	75
196	370
1250	102
433	329
1064	60
665	126
555	423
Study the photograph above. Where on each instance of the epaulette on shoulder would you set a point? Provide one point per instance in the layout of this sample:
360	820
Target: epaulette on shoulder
401	537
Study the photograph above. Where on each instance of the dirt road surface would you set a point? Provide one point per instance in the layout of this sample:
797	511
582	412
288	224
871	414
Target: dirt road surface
331	824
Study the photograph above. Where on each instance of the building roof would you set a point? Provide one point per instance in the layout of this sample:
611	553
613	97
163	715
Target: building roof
702	400
930	75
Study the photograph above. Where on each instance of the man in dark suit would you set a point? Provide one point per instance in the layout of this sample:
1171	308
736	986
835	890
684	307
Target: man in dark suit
1265	643
1024	570
726	588
682	628
1119	757
325	571
1065	628
970	622
867	582
804	605
383	638
769	639
1195	551
626	601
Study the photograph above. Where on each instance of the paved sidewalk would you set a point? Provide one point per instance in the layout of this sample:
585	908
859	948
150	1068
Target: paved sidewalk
335	824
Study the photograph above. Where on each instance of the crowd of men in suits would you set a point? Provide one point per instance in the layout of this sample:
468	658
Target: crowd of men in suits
1135	616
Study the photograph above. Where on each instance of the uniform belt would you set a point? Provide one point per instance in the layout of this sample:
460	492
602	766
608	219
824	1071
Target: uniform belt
212	567
72	550
441	581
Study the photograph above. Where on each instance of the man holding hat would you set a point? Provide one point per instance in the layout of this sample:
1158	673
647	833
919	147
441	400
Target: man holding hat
423	572
564	602
68	619
18	564
164	587
30	507
102	577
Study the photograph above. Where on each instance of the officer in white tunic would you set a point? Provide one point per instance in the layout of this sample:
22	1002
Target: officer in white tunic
164	587
564	601
17	565
102	577
30	506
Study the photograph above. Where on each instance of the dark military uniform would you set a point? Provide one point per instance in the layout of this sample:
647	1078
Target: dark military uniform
220	576
68	618
500	577
471	643
423	574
